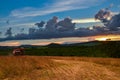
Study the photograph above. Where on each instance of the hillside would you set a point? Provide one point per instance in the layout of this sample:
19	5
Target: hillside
89	49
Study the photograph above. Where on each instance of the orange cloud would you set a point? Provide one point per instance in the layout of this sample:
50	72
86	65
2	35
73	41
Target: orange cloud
9	43
46	43
41	43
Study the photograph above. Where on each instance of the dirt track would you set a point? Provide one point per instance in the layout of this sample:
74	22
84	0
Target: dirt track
72	70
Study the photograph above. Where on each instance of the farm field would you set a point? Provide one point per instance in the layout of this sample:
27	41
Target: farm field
58	68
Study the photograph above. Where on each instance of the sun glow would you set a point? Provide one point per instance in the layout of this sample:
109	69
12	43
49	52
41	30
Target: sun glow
108	38
87	20
101	39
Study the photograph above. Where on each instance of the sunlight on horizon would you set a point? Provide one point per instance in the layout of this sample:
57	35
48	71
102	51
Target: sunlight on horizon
69	40
108	38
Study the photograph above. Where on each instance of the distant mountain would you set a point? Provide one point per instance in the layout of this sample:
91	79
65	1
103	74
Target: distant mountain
91	43
53	45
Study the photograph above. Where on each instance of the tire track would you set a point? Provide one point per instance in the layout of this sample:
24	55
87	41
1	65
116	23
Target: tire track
79	70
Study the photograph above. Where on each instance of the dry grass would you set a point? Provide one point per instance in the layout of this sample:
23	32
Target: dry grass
58	68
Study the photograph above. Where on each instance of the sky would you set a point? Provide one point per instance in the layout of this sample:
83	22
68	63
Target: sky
19	14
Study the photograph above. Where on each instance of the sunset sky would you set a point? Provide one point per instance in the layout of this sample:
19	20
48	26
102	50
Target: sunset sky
19	14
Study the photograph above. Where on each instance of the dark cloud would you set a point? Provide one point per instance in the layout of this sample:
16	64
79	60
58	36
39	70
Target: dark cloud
110	21
114	23
41	24
65	25
8	33
103	14
32	30
65	28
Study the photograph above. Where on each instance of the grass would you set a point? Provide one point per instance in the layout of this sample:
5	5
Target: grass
45	68
19	66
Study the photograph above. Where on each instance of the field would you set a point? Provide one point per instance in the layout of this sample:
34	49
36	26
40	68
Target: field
82	61
58	68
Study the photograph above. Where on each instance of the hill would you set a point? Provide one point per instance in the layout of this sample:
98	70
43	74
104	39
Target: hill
89	49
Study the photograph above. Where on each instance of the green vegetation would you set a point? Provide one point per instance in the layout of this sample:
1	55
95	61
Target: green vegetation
90	49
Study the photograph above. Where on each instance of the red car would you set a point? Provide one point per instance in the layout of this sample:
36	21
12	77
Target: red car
18	51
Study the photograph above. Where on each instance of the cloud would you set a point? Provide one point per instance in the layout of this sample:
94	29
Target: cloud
57	6
59	29
59	40
9	32
114	23
114	13
65	25
46	41
85	20
13	43
50	26
25	24
41	24
109	19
